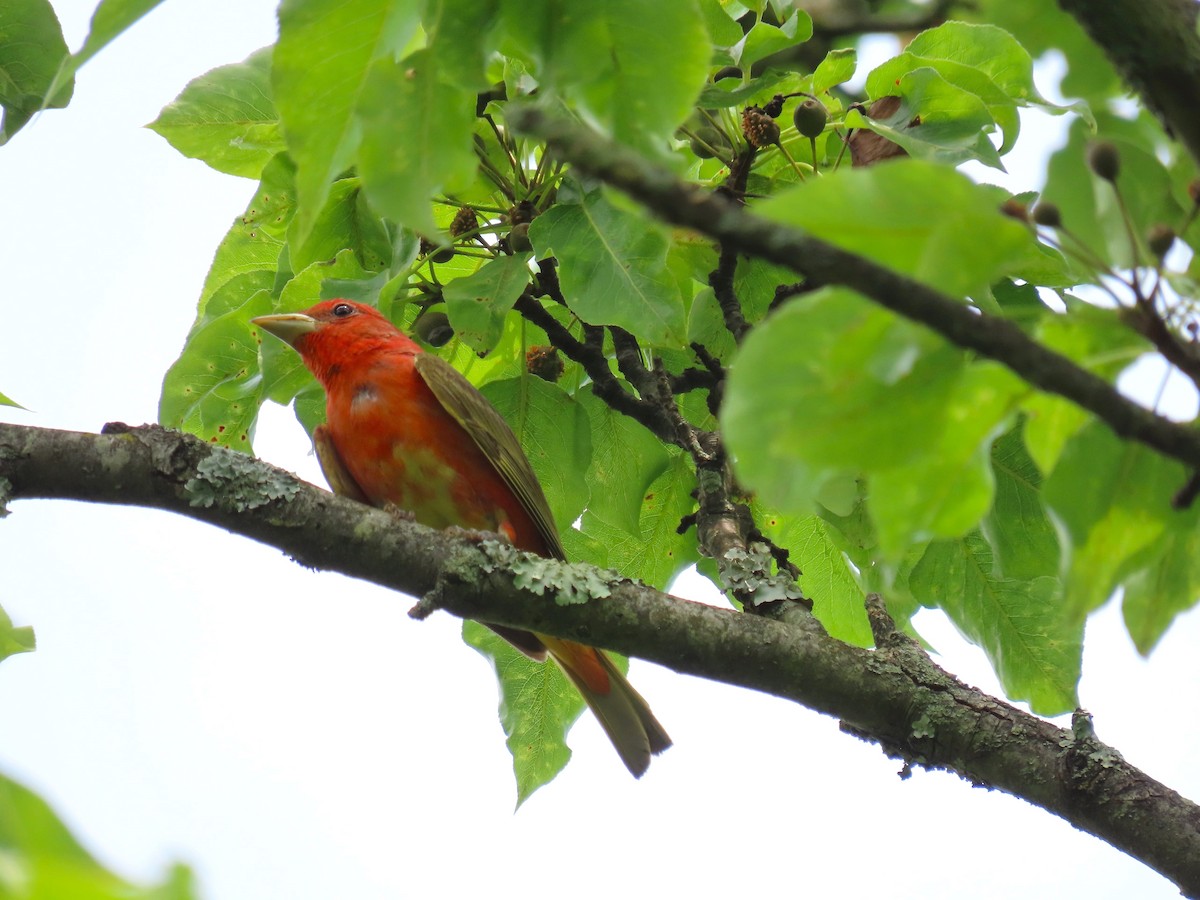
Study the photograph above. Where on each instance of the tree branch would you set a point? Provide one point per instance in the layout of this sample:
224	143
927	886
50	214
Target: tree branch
681	203
894	695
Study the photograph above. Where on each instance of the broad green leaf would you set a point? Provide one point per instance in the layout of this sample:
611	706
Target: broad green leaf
946	490
346	222
226	118
1001	106
918	218
1097	340
44	861
556	435
1156	593
14	639
603	55
537	708
923	416
626	459
837	67
1044	26
723	31
613	268
111	18
825	575
657	553
416	138
214	389
32	53
1113	500
459	33
322	63
764	39
252	247
1018	624
1018	528
478	303
5	400
936	120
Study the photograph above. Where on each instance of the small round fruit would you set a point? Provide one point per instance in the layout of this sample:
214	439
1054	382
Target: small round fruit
810	118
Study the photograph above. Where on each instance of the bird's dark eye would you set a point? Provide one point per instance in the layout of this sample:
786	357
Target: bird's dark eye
342	310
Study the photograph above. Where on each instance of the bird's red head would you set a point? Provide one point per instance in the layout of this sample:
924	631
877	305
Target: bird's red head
333	333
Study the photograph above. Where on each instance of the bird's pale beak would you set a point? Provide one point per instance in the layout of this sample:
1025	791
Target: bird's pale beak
288	327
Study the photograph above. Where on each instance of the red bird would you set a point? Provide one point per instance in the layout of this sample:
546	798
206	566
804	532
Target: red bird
404	427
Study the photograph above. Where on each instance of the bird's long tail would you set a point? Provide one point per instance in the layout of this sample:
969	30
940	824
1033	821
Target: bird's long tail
623	714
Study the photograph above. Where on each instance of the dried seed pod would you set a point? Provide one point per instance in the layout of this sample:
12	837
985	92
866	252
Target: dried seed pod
465	220
544	362
759	128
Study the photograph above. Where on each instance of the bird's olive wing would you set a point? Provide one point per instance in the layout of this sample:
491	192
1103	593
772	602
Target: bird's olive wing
492	435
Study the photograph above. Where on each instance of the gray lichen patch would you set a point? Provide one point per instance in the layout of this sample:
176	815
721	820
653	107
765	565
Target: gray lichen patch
234	482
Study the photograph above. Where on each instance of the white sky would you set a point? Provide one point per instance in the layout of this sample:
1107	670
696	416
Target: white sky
291	734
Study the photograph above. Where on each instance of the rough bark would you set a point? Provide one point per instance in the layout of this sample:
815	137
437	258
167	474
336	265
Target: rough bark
893	695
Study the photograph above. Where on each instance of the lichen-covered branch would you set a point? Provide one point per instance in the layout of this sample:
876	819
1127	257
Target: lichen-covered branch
893	695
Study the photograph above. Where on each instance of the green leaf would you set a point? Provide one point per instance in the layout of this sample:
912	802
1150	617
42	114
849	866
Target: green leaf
459	35
836	68
613	268
478	303
657	552
1157	593
945	491
825	575
14	639
1001	107
923	417
1112	499
1097	340
602	56
537	708
251	250
32	53
226	118
346	222
416	140
723	31
915	217
556	435
111	18
936	120
764	39
214	389
5	400
321	66
1018	528
42	859
626	459
1018	624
